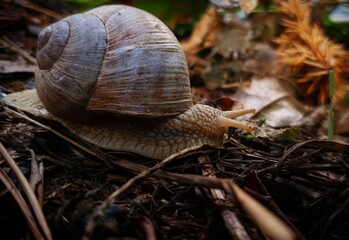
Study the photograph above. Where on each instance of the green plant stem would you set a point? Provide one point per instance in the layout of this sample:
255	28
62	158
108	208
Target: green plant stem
330	115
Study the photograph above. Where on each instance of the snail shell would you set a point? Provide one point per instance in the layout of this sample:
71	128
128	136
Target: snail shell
115	59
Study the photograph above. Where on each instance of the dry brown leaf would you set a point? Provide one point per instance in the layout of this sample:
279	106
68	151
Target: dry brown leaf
231	42
261	92
263	62
201	94
282	112
196	66
204	33
224	63
277	107
342	116
248	5
17	66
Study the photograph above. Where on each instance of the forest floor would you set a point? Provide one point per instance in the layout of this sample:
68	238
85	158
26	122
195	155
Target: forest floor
284	182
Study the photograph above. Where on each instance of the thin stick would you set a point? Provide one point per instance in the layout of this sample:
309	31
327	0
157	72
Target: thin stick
270	224
21	203
42	10
89	227
36	179
231	221
53	131
27	190
147	172
11	45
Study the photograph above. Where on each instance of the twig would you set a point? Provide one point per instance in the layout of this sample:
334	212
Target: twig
271	225
13	47
317	143
147	172
276	168
333	216
39	9
28	191
37	177
98	213
189	180
147	227
92	153
21	203
232	222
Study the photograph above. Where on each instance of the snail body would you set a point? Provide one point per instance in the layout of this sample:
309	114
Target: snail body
117	77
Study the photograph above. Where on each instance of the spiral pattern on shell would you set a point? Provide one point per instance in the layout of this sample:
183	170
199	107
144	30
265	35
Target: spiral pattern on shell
115	59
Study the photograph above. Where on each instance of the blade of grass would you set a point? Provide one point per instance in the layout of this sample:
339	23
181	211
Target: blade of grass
330	115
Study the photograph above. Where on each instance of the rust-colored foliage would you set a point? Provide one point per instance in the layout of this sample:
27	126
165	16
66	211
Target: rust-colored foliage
304	48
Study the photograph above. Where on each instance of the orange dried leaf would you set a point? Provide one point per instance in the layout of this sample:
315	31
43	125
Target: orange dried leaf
205	32
309	53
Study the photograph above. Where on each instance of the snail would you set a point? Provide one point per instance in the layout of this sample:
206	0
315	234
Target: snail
117	77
